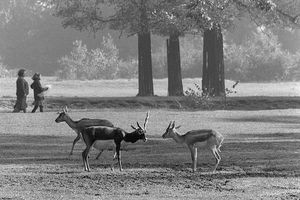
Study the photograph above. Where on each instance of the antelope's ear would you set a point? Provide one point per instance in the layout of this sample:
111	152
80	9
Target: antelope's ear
133	127
177	127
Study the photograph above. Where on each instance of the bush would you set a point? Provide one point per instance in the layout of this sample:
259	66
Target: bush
195	98
100	63
3	71
260	58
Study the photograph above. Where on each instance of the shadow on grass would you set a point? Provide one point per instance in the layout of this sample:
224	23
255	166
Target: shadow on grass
239	159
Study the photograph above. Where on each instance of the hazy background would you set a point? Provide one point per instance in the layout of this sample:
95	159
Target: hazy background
38	43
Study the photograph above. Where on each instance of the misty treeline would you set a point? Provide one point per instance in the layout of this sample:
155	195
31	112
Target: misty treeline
259	58
32	38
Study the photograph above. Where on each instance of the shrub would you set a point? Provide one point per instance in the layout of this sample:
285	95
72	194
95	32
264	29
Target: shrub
100	63
195	98
260	58
3	71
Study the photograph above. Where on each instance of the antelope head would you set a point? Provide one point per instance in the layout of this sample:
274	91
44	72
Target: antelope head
171	130
141	131
62	115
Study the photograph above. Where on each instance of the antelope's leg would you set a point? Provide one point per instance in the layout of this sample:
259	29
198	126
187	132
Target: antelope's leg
84	160
114	157
192	150
195	158
119	156
74	142
214	151
85	156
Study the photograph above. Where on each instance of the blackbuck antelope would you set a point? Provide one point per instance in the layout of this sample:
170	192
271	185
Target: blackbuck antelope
212	138
91	134
79	125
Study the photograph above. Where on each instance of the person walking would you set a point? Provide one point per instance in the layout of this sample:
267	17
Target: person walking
38	91
22	92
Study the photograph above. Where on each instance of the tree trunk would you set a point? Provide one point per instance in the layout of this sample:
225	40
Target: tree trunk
145	65
144	55
213	82
174	68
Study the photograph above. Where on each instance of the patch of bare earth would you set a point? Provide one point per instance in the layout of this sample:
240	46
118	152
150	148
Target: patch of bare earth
70	182
159	169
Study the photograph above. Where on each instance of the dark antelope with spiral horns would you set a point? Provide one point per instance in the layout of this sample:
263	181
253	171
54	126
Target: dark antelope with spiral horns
212	138
91	134
79	125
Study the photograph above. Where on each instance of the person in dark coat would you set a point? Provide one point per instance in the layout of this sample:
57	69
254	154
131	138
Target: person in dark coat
22	92
38	91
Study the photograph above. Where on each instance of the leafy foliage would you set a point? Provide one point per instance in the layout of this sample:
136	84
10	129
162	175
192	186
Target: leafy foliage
95	64
3	69
195	98
260	58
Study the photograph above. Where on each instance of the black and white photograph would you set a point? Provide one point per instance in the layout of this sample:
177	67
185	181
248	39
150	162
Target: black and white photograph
150	99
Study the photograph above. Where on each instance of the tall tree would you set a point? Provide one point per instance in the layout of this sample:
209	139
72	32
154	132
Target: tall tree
168	21
213	16
213	81
144	53
175	87
130	17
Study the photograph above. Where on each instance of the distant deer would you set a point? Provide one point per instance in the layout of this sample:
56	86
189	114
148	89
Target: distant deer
79	125
212	138
91	134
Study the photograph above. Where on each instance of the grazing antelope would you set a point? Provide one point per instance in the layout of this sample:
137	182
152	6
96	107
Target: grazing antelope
79	125
91	134
213	139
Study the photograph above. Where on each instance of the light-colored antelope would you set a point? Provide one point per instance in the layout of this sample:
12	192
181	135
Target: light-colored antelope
79	125
92	134
212	138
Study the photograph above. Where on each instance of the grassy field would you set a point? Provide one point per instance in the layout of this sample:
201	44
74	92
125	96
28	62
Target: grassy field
125	88
121	94
260	153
